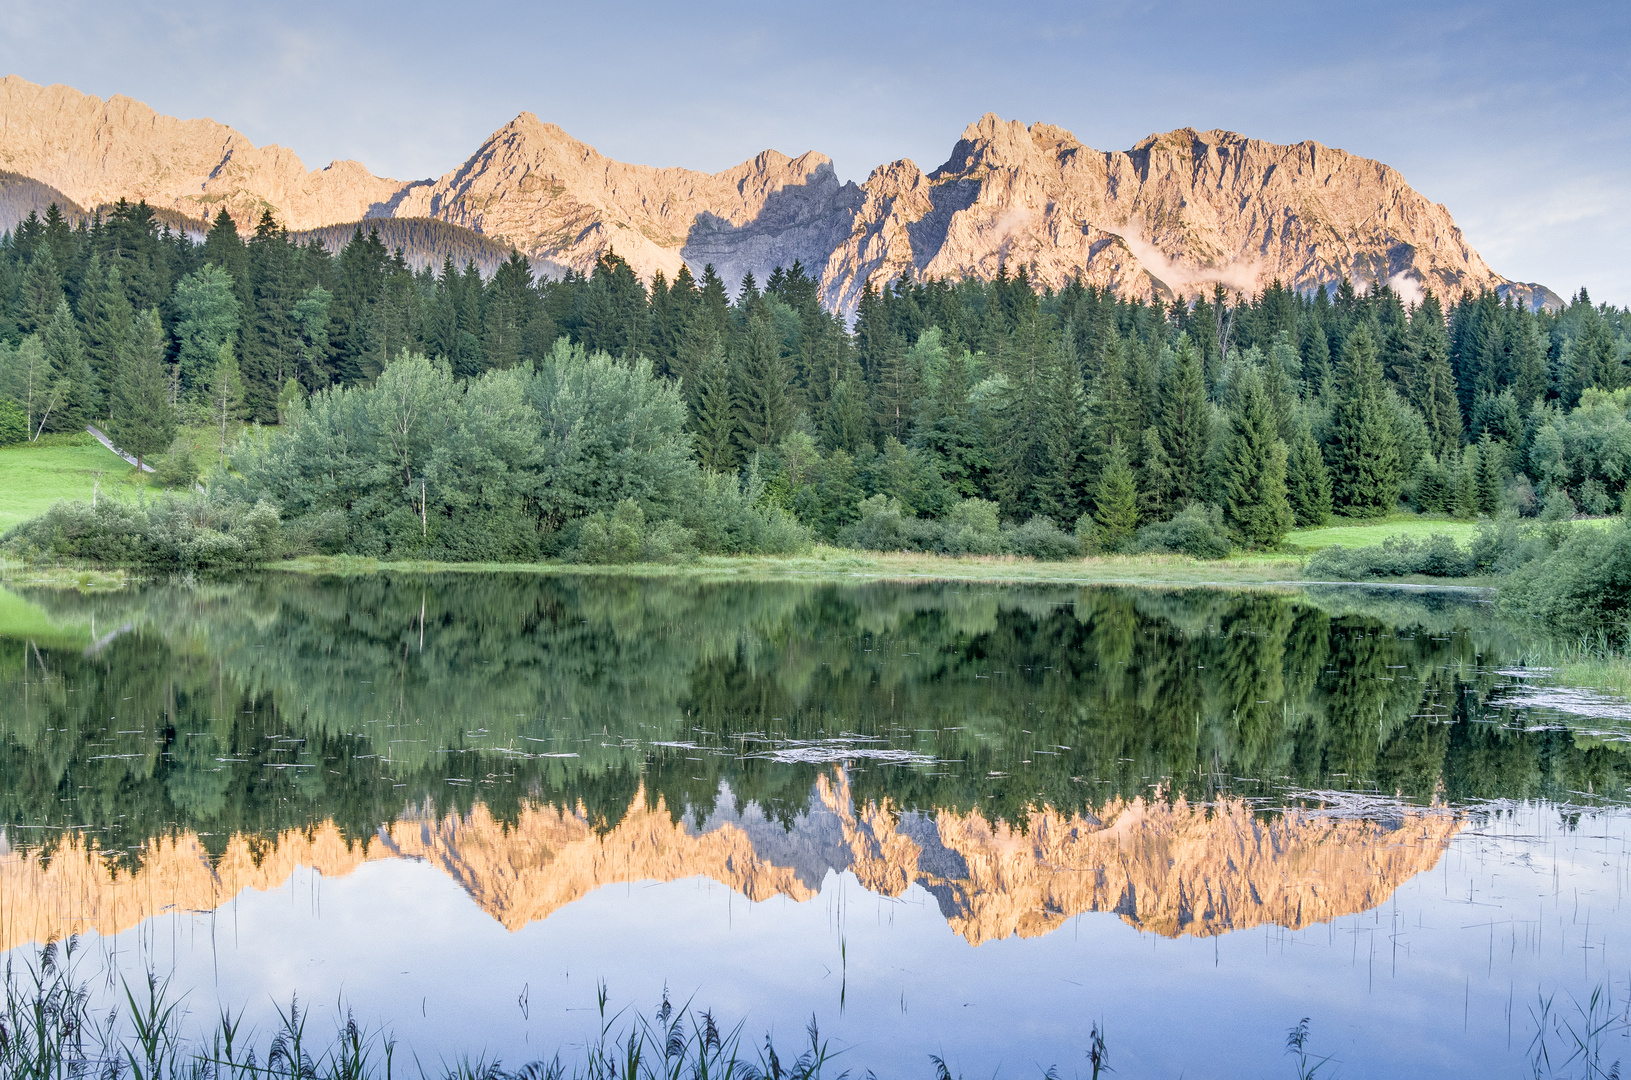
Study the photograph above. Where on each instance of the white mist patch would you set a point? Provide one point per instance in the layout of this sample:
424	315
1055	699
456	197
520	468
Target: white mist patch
1009	224
1240	277
1408	286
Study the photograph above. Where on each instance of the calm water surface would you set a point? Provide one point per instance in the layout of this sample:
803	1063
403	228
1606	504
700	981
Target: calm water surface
955	820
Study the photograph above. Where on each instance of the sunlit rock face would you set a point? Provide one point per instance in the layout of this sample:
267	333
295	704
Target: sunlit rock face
97	152
1177	214
1166	867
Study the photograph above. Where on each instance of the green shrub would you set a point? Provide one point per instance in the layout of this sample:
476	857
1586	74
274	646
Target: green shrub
1196	530
726	515
1397	556
177	469
971	528
322	533
626	537
885	526
172	533
1582	587
1040	538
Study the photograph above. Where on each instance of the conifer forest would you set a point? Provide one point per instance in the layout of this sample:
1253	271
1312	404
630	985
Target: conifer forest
456	415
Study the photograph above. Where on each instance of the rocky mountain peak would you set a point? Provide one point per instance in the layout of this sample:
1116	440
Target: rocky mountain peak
1178	212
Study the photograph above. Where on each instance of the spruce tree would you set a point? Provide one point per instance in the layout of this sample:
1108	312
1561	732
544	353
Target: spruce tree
1252	469
207	312
1491	476
1529	375
1361	453
1062	414
1186	425
1466	483
143	421
1115	503
1282	375
1316	357
845	425
713	416
764	411
949	431
42	291
224	248
1440	403
1308	484
896	390
1155	487
71	371
1432	487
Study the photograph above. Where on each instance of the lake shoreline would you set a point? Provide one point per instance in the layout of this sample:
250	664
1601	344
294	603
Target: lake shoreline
839	564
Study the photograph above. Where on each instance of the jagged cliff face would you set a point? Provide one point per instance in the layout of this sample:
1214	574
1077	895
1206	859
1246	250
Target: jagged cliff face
1169	868
1176	214
97	152
560	200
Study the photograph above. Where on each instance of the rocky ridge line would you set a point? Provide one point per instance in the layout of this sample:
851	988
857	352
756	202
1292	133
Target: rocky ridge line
1176	214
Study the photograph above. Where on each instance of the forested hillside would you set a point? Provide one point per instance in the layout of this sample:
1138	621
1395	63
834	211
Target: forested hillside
946	410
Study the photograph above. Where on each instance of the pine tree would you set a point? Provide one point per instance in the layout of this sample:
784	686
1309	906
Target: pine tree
207	312
713	416
1434	491
1316	357
1155	487
143	422
1529	375
949	432
70	370
1491	476
764	413
1308	484
1361	453
1437	395
1186	425
1115	503
42	291
1466	483
1252	469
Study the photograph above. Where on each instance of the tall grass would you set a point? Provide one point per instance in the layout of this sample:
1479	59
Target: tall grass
48	1031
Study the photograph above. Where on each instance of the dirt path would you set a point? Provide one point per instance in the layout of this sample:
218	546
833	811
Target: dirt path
107	442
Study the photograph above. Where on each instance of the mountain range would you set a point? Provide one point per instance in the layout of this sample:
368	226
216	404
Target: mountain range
1177	213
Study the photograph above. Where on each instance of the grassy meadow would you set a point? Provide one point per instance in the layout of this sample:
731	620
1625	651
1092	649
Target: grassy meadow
1350	532
35	475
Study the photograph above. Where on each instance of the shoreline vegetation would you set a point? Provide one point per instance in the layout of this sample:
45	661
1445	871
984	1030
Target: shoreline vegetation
50	1031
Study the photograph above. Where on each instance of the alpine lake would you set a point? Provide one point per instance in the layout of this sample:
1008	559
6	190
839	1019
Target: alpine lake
970	821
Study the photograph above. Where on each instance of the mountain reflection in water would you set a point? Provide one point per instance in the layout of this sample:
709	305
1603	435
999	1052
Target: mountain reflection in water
458	800
1163	866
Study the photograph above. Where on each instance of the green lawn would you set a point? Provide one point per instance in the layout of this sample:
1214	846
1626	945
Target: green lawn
33	477
1356	533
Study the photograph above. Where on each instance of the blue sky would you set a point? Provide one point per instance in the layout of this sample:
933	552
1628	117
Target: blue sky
1515	116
